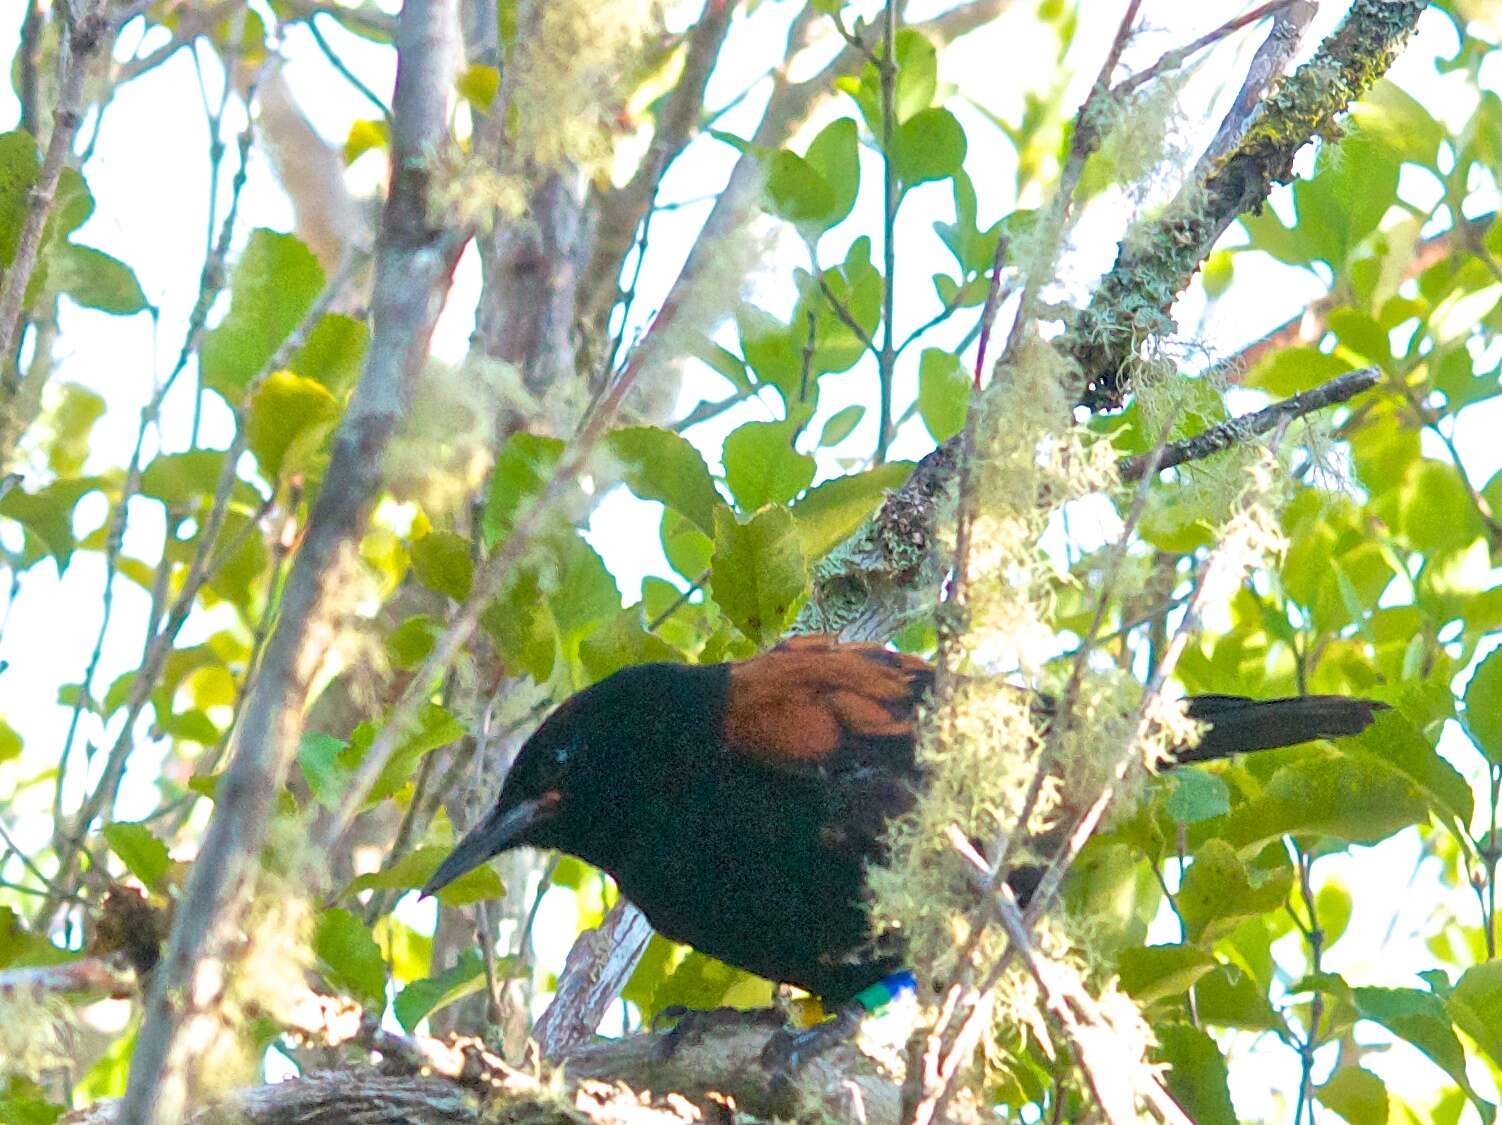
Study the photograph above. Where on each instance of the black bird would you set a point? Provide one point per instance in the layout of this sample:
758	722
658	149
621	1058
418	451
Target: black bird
738	805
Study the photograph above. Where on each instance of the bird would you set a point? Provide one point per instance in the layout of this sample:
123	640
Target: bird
739	804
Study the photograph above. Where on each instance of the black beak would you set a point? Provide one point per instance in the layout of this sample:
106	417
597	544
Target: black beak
502	829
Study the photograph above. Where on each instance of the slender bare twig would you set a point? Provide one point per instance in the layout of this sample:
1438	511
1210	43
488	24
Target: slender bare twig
1172	60
414	264
201	570
886	358
1237	431
311	23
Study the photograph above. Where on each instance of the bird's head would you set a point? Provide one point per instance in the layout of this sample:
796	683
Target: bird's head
565	781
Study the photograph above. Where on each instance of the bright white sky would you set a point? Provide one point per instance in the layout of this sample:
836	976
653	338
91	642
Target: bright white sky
148	178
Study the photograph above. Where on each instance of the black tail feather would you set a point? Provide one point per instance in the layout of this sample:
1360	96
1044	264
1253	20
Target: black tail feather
1238	725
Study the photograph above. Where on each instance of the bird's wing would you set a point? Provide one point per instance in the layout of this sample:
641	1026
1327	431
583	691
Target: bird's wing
815	704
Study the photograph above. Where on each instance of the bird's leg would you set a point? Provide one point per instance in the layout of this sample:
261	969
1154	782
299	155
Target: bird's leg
694	1023
789	1050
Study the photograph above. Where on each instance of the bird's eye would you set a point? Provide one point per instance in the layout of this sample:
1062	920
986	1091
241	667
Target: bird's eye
563	751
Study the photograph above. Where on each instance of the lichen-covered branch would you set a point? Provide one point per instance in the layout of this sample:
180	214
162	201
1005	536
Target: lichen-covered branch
889	572
414	263
631	1081
1217	438
1158	259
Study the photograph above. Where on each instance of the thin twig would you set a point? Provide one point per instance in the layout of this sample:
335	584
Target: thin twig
86	36
886	69
311	23
1172	60
414	266
1239	430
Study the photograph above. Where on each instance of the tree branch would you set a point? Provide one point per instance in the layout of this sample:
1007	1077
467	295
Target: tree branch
85	37
413	266
1339	389
1131	303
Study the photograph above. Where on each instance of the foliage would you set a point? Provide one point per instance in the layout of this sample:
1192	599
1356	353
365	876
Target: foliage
1225	902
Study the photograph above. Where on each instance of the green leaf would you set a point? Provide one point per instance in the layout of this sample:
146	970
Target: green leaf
47	514
660	465
435	727
274	284
349	957
1229	996
1153	972
796	192
1356	1094
1287	371
23	1102
72	424
584	594
1357	799
1476	1007
834	156
364	135
414	869
840	426
1399	122
10	742
95	280
773	351
318	756
1420	1018
19	162
522	471
423	997
688	549
762	467
180	480
917	73
443	561
410	642
620	642
1483	706
1353	186
1394	740
757	575
929	146
143	854
333	353
944	392
289	418
831	512
1197	795
478	84
1218	892
1197	1073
